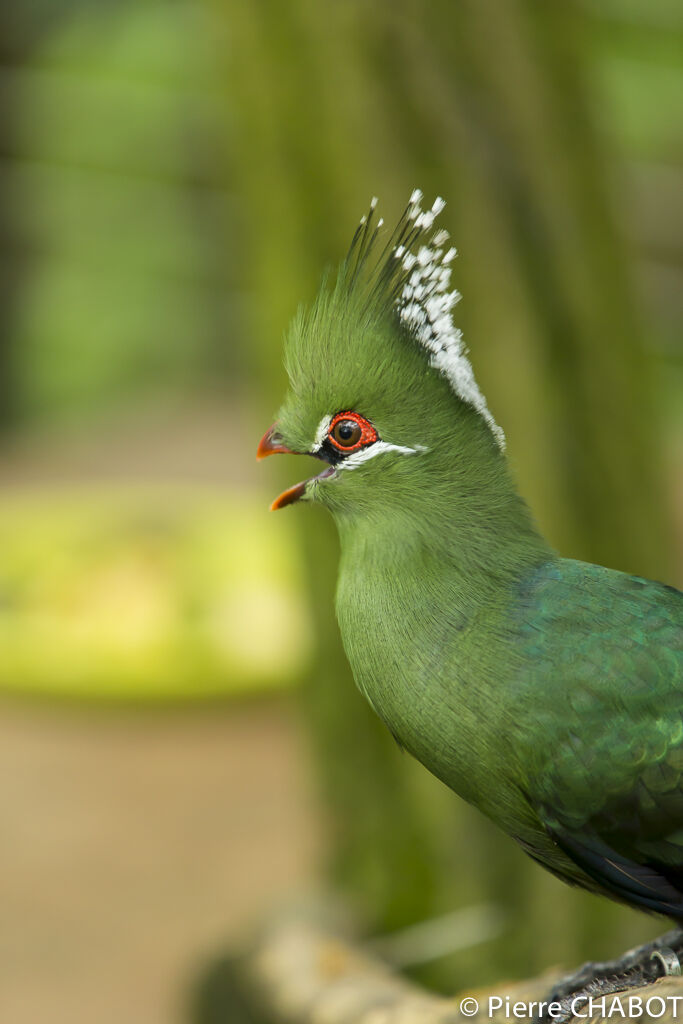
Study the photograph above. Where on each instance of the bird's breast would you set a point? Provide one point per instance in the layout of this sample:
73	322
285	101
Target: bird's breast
425	667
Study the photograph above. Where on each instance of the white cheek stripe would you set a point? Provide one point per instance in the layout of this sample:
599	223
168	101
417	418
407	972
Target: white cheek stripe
321	433
365	454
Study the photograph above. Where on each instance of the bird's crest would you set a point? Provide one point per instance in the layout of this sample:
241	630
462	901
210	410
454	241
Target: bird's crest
410	278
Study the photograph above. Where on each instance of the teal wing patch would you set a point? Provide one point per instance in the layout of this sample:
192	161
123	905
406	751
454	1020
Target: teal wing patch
605	753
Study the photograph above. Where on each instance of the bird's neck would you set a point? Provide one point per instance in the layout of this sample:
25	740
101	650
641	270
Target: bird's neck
474	540
423	595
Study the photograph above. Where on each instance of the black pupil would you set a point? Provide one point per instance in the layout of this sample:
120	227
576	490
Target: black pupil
347	433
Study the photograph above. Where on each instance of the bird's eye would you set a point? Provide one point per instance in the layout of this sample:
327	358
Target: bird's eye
348	431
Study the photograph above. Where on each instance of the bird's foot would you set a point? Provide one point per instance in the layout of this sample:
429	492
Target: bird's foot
579	993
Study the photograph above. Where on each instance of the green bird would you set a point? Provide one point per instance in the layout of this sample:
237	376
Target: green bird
545	691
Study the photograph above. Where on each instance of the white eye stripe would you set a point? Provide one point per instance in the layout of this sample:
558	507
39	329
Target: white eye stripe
365	454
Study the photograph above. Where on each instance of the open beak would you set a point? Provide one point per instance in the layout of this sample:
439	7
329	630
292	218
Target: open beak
270	444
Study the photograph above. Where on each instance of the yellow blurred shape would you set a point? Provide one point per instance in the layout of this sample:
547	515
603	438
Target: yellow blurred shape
263	611
148	594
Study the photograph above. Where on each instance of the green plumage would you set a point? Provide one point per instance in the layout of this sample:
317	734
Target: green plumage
546	692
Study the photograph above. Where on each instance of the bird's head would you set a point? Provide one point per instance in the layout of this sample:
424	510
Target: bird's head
381	390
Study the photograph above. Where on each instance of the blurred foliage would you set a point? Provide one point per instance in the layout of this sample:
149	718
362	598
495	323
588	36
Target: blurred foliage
117	208
174	178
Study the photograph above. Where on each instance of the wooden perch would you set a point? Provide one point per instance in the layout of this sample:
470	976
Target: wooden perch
304	975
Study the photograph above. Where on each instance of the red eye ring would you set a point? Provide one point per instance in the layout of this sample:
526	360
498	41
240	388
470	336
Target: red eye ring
368	434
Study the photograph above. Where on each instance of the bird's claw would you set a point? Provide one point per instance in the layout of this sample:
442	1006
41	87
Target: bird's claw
640	967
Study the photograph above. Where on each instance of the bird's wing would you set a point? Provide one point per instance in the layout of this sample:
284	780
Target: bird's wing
650	885
607	778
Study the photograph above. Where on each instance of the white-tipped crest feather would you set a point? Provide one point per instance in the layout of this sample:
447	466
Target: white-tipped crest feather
424	305
413	276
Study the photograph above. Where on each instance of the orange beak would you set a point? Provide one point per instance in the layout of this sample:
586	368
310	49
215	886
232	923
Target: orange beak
289	496
270	445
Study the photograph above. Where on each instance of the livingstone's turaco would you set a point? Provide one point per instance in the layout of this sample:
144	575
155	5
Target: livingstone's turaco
545	691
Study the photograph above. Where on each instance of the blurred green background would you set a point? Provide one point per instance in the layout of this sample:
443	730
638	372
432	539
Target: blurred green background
181	743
